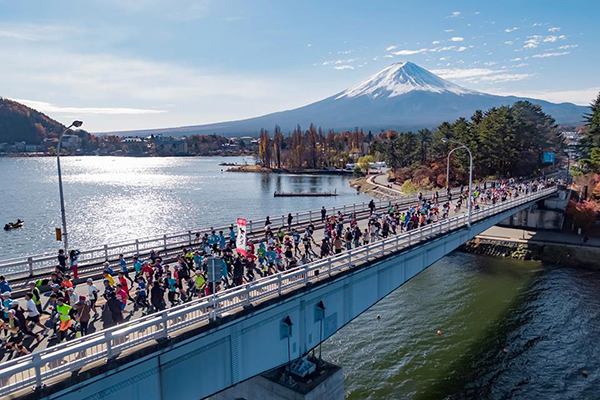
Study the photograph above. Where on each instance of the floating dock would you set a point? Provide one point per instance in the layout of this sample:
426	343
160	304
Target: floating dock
305	194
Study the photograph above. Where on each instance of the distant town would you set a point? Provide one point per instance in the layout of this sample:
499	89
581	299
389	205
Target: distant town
83	144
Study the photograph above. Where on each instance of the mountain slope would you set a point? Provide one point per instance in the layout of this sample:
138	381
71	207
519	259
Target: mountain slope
19	123
402	96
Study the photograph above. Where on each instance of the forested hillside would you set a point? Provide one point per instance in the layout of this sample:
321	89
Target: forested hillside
19	123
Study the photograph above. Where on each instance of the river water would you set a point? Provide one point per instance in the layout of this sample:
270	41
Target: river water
546	317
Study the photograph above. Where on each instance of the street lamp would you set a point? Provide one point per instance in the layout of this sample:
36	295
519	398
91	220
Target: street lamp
76	124
448	165
445	140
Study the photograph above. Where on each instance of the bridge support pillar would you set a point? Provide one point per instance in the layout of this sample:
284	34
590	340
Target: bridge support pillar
326	383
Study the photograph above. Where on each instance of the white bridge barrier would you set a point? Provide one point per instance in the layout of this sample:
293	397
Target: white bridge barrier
44	366
28	266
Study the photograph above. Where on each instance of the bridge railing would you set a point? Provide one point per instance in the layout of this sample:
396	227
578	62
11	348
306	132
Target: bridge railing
44	366
28	266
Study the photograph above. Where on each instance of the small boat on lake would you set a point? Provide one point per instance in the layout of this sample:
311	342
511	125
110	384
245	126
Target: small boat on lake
13	225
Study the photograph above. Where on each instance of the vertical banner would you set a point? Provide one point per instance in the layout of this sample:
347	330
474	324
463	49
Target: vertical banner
240	240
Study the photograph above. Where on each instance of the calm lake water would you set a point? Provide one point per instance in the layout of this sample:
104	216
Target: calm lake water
547	317
114	198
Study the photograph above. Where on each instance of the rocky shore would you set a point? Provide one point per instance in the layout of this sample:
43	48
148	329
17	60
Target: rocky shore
571	255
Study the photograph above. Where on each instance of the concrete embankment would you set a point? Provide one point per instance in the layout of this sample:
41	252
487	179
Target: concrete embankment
558	251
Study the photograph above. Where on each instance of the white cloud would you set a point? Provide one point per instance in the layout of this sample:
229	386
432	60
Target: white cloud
342	67
555	29
581	97
509	30
457	39
536	24
477	75
490	63
386	56
435	42
37	33
52	108
516	59
309	45
550	39
233	18
455	14
409	52
545	55
390	48
532	42
509	42
446	48
568	46
448	30
461	48
337	62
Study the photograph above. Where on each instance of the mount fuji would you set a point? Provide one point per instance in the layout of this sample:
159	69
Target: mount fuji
403	96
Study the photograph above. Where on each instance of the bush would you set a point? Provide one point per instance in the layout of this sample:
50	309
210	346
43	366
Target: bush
584	214
408	187
357	171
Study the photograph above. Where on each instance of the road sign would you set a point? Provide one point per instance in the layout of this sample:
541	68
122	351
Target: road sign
548	157
214	269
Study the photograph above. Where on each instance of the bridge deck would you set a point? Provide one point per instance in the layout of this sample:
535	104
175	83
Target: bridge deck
53	364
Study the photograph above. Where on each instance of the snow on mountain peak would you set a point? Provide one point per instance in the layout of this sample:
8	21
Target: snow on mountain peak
401	78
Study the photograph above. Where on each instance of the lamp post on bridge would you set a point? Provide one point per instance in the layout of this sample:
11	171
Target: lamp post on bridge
64	236
462	145
448	166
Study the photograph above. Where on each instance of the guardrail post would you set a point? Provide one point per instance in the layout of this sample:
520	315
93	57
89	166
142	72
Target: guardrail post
165	326
106	252
30	263
37	361
247	294
165	242
137	247
250	226
368	248
190	237
109	350
329	265
383	247
305	273
310	215
213	310
279	284
283	220
350	257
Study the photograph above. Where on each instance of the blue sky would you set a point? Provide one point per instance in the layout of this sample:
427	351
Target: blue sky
132	64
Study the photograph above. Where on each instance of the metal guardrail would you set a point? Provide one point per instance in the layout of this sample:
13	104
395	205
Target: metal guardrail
29	266
42	367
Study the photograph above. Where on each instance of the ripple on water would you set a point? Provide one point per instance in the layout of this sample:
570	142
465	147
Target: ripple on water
547	317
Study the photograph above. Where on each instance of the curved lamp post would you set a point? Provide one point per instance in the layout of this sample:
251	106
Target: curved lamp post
76	124
462	145
448	166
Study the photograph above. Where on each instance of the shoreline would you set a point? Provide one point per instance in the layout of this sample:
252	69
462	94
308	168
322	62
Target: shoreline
552	250
265	170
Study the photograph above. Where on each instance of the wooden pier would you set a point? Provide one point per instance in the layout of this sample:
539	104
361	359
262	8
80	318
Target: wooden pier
305	194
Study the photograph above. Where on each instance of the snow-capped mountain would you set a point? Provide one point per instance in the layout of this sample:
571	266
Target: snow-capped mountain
401	78
403	96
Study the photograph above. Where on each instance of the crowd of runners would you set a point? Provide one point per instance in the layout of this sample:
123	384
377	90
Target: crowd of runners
153	284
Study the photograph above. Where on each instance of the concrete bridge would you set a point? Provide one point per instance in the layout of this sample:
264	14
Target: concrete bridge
199	348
